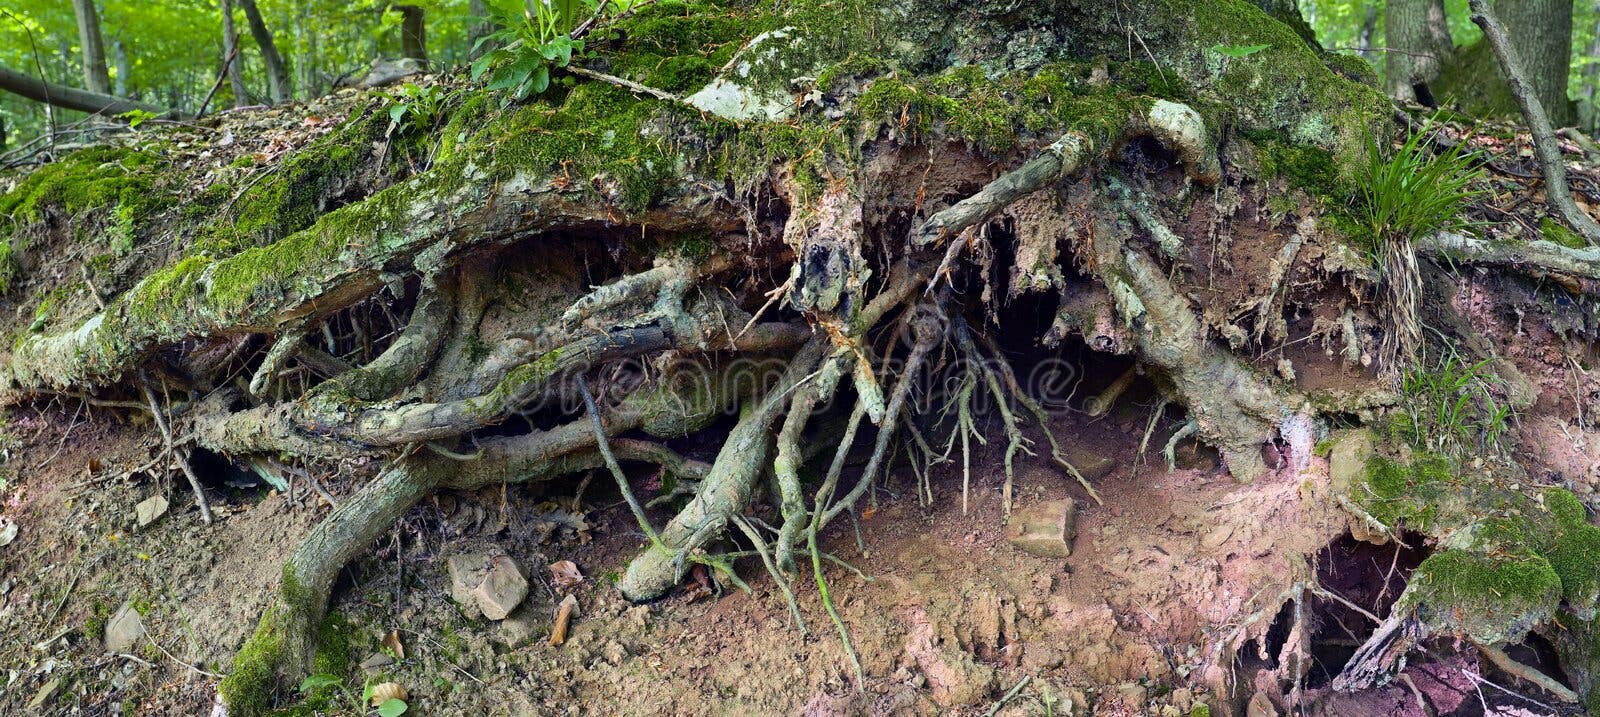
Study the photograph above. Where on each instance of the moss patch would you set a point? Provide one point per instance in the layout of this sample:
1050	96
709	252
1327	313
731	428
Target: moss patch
1489	598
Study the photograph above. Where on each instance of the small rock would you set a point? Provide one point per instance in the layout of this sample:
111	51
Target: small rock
1217	536
1183	698
124	630
149	510
518	627
1133	693
1044	529
490	581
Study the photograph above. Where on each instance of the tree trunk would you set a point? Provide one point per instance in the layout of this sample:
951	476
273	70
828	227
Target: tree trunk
480	28
69	97
119	55
95	76
277	75
1591	74
1369	30
1418	40
1288	13
1541	30
230	35
413	33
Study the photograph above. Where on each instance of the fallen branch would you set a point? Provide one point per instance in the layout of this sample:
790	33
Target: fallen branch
1540	256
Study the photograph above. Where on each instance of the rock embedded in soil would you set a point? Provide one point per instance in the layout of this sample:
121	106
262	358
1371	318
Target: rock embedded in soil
487	581
1044	529
149	510
124	630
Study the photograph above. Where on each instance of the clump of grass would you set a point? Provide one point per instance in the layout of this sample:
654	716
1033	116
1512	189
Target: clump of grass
1413	192
1417	191
1452	408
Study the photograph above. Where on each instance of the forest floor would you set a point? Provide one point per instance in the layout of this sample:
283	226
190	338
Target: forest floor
949	617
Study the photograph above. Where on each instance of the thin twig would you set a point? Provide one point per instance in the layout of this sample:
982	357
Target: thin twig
612	465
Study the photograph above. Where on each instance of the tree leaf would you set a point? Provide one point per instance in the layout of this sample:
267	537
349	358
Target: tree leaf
1238	50
392	708
317	682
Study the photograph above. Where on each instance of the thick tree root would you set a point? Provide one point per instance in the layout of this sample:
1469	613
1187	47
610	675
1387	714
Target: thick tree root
1231	406
725	490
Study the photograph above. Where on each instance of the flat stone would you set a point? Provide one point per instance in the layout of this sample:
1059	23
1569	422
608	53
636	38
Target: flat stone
1044	529
124	630
518	628
1347	462
489	581
44	694
149	510
375	663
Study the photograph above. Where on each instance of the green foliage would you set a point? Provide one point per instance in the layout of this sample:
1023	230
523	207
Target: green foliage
532	39
1452	407
1415	191
413	107
136	117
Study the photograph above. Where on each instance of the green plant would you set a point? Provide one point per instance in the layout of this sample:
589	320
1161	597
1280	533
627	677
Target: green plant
1452	406
136	117
1412	193
1416	191
415	107
532	39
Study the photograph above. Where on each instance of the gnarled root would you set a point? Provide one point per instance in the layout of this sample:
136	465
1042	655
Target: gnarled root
725	490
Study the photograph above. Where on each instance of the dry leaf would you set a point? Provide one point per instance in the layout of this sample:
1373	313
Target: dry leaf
383	692
565	574
8	531
392	641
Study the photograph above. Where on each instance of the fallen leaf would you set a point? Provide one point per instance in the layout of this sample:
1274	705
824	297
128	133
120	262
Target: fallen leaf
385	691
565	574
8	531
392	641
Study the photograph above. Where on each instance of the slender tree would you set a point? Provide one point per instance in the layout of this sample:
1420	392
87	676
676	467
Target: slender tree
413	33
1418	42
481	27
230	35
95	76
277	74
1591	74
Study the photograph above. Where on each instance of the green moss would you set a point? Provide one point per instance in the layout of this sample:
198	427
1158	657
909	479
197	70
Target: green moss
993	114
678	46
1554	231
248	688
595	136
333	647
1200	710
293	194
1489	598
1397	493
92	178
1306	167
